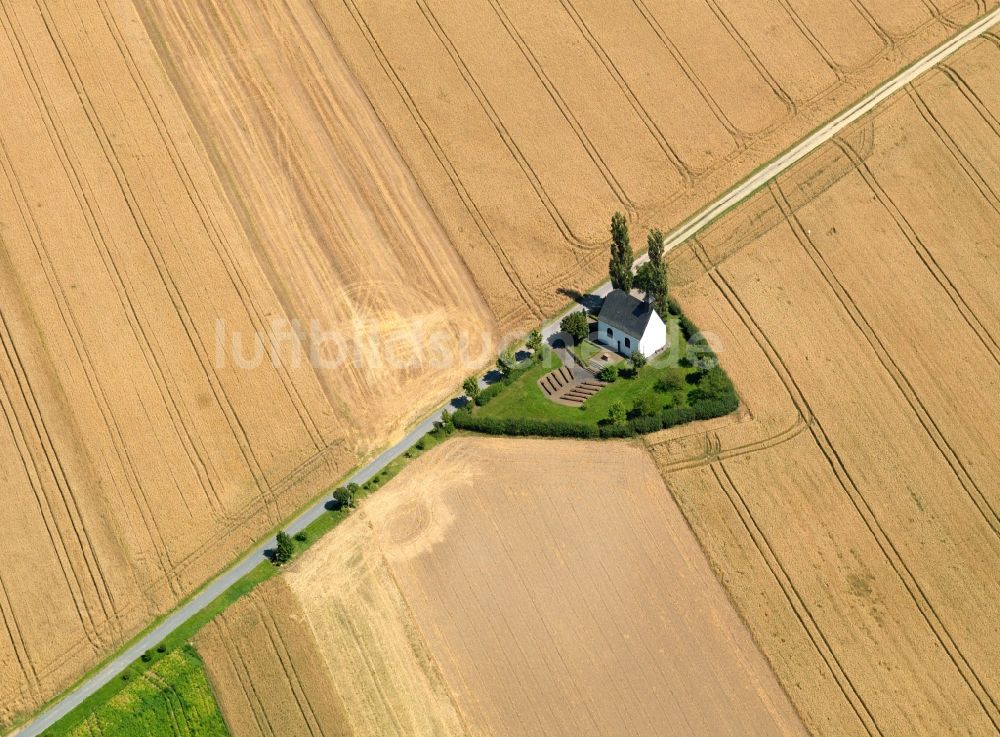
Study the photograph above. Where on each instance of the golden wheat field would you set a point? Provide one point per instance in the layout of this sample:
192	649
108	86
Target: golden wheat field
852	508
527	122
344	236
502	587
144	243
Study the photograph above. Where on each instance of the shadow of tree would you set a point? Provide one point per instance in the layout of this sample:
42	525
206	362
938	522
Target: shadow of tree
590	302
492	376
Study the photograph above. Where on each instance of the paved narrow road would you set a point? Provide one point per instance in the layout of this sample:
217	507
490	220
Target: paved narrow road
227	578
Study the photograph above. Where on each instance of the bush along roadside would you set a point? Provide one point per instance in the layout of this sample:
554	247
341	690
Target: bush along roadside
511	375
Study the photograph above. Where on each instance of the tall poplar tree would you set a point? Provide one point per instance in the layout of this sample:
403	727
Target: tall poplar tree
655	276
620	265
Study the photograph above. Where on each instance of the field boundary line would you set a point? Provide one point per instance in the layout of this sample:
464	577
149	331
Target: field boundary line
714	451
245	677
348	624
288	667
216	630
467	604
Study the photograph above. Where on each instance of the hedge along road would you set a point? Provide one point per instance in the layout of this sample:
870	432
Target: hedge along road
737	194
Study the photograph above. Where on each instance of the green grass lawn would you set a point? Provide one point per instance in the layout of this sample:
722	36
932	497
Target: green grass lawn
172	698
587	350
524	398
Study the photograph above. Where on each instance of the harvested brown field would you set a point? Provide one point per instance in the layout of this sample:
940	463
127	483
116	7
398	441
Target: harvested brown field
513	587
526	123
852	509
137	457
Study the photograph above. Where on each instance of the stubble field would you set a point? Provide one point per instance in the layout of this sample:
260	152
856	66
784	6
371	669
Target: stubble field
504	587
527	123
852	508
137	457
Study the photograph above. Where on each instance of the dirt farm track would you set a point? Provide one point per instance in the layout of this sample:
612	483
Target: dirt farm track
179	177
